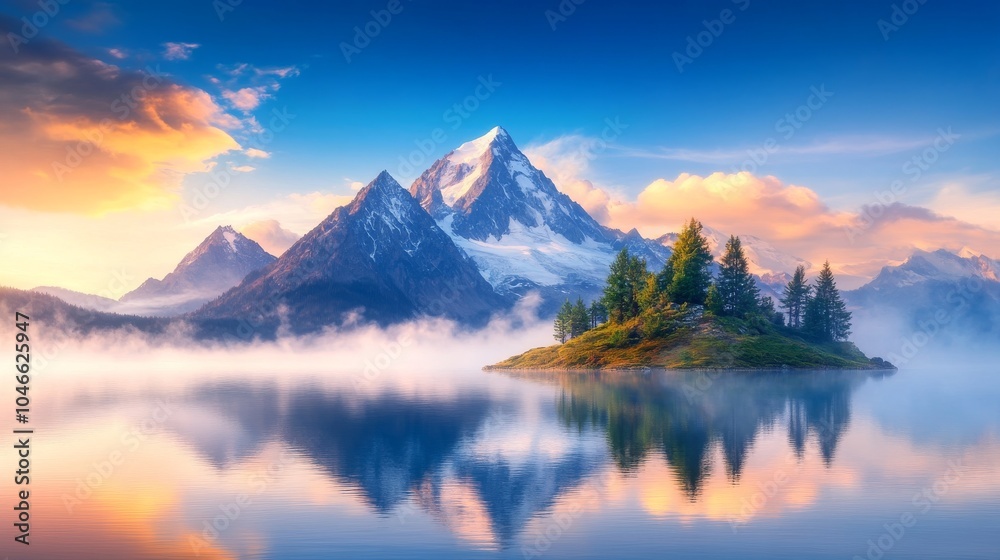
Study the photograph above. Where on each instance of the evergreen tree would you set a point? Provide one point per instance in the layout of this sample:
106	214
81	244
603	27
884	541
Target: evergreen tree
713	302
663	280
826	317
738	293
562	324
598	314
766	308
650	296
689	262
627	278
795	297
579	320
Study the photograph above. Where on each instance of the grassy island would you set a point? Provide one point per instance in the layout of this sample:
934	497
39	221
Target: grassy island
692	339
687	317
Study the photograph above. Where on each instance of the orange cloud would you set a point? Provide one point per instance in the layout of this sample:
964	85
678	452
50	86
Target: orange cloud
796	220
87	137
271	236
792	217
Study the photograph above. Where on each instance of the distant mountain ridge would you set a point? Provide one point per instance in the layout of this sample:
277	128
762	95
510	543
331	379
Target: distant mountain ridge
220	262
393	255
381	257
941	296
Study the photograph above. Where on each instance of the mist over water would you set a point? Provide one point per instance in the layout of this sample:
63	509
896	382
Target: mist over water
393	444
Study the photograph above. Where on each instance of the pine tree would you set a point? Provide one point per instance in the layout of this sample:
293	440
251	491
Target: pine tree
689	262
627	278
766	308
562	324
650	295
738	292
663	280
598	314
826	317
795	297
713	302
579	321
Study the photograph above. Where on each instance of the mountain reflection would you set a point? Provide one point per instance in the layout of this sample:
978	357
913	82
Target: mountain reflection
681	415
486	464
386	445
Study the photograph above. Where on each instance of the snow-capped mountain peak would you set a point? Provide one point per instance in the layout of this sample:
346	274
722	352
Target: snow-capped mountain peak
386	211
940	266
522	232
488	184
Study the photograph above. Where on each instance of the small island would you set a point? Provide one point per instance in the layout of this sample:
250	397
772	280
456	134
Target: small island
684	318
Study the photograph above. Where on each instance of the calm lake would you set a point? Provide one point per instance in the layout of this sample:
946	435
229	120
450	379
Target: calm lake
467	464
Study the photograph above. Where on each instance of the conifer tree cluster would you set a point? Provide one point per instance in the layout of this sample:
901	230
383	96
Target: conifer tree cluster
572	320
686	279
818	310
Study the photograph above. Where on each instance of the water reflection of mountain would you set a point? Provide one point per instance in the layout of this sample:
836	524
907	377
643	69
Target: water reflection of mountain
681	415
387	445
485	466
513	494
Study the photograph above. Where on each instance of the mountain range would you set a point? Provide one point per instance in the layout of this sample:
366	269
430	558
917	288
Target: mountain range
478	230
939	296
220	262
381	259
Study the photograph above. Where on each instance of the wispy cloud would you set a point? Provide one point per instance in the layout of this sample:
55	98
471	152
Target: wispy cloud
271	236
841	146
256	153
178	51
246	86
246	99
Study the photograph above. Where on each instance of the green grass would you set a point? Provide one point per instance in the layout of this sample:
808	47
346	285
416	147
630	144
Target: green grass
677	339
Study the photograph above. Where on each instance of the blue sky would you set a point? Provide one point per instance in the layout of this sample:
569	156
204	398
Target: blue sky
941	68
894	75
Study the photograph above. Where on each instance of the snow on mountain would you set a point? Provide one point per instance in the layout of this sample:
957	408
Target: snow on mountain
381	258
522	233
948	298
939	266
220	262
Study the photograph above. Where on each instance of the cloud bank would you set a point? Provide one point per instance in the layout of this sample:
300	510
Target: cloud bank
793	217
83	136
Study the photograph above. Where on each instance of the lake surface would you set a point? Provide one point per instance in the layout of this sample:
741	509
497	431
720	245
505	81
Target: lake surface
467	464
